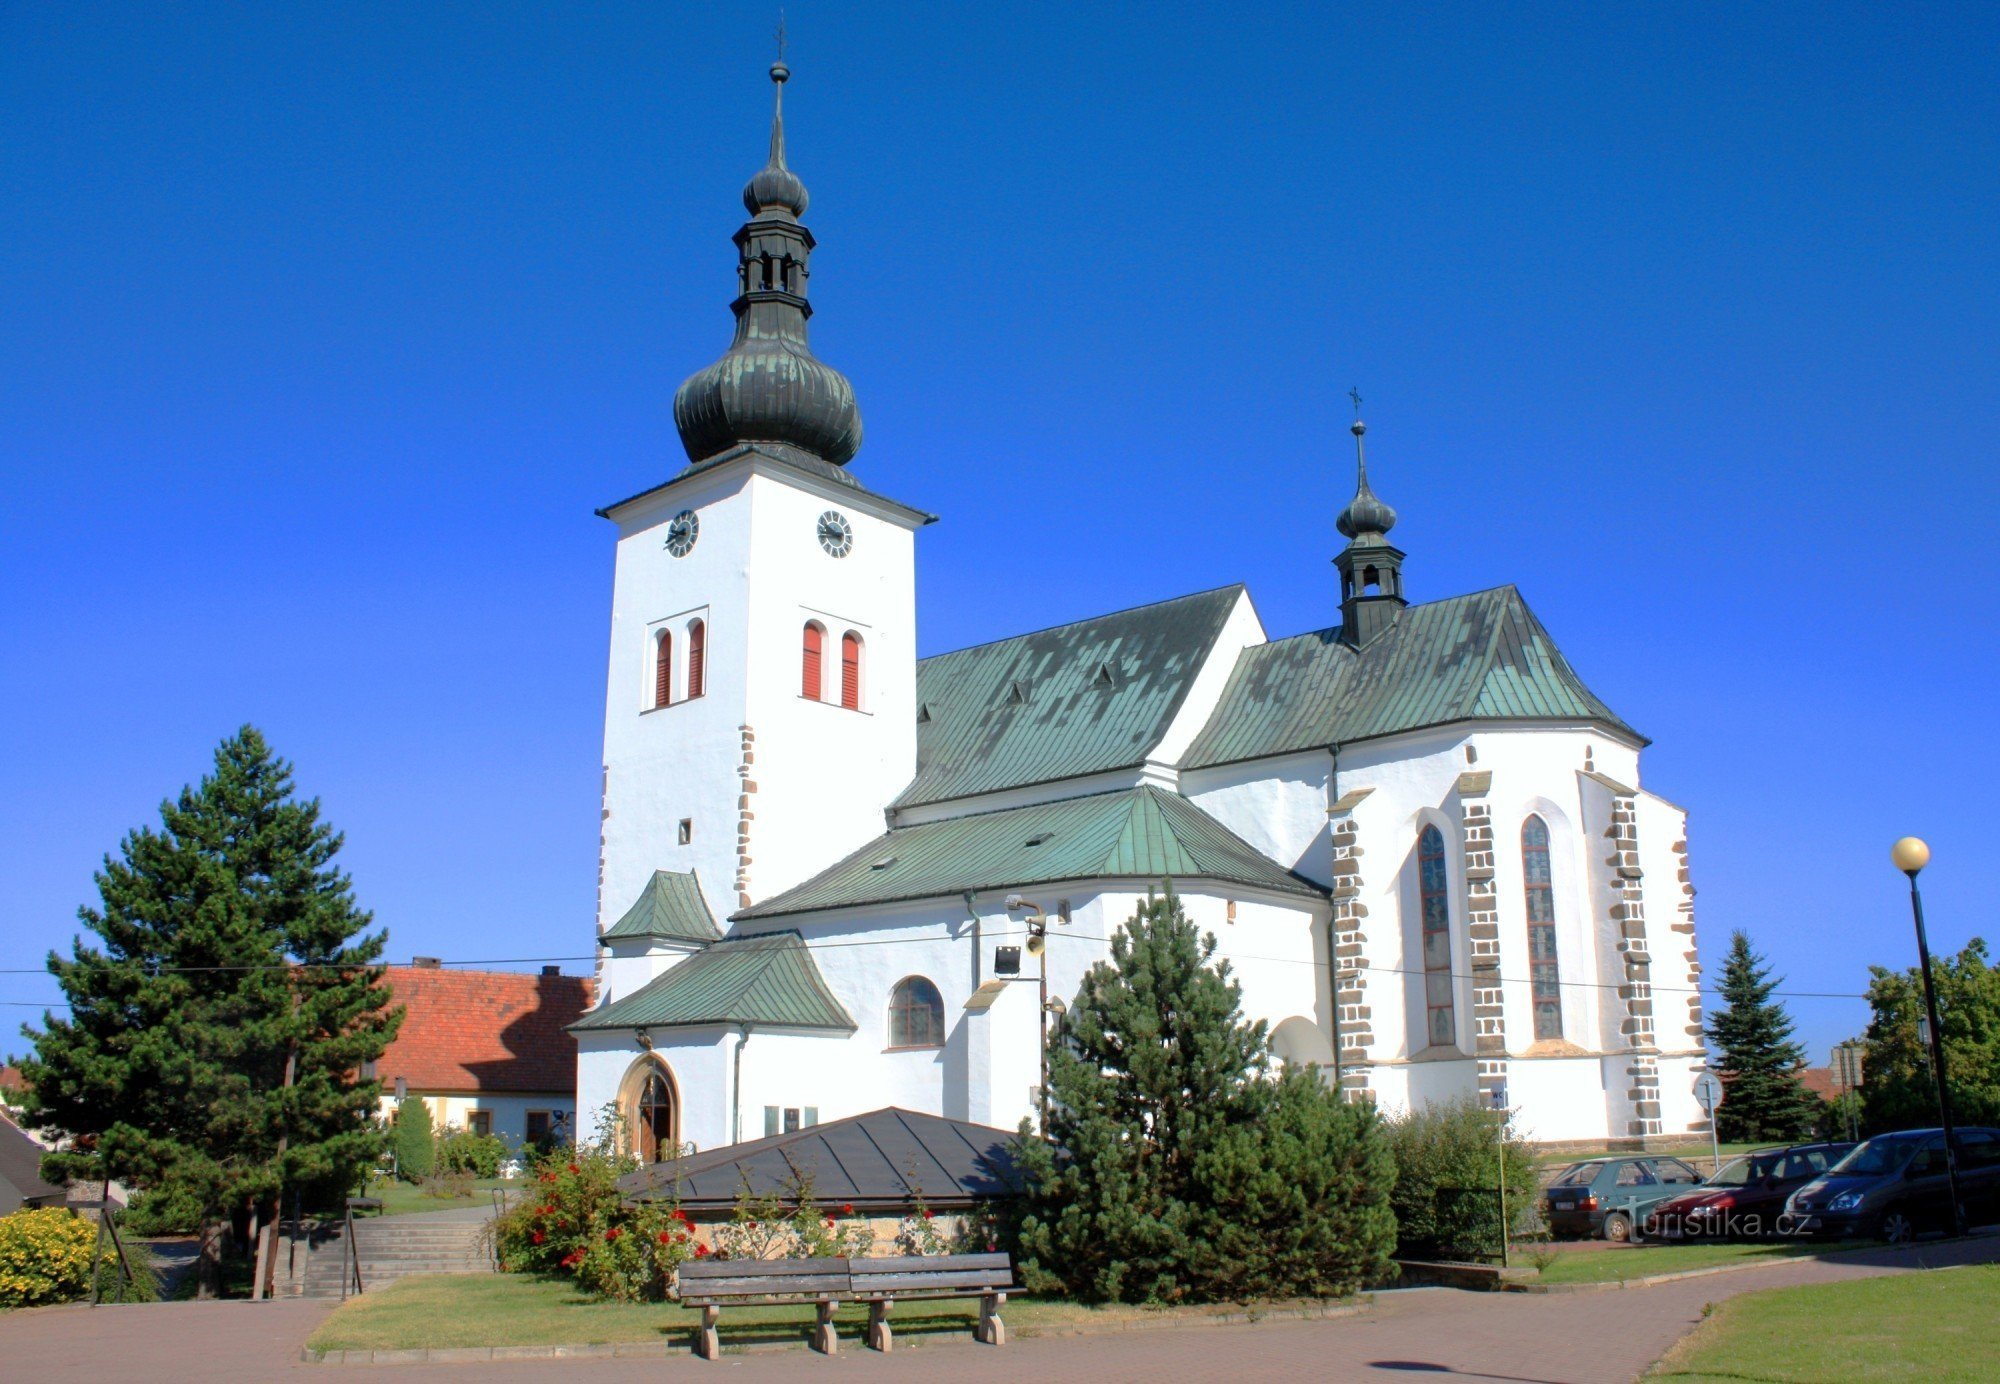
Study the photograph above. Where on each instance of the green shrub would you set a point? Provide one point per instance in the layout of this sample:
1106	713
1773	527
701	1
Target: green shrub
1452	1147
413	1141
111	1282
462	1151
45	1257
162	1211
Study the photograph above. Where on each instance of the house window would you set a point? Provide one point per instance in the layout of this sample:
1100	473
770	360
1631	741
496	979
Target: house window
663	669
809	665
789	1119
1434	889
697	659
479	1121
538	1127
916	1014
850	671
1543	976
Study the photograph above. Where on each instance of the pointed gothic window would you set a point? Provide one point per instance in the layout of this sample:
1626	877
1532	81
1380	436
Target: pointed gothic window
1434	889
663	669
916	1014
1542	972
697	658
850	671
809	673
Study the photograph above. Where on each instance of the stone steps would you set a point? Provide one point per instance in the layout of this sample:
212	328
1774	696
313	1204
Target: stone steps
389	1251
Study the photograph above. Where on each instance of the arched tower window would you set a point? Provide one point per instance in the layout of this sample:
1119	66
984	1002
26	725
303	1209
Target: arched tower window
697	658
1434	889
809	666
663	669
850	671
648	1102
916	1014
1544	978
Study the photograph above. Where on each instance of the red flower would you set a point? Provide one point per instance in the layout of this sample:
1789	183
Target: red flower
665	1238
753	1225
701	1251
572	1259
829	1222
573	1168
539	1237
927	1215
847	1209
611	1235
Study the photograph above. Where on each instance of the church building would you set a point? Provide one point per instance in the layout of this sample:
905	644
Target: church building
834	876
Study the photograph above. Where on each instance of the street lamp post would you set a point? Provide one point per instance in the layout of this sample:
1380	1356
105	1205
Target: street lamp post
1911	855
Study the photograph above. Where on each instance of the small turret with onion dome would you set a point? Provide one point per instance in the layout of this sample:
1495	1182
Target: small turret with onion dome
769	388
1371	568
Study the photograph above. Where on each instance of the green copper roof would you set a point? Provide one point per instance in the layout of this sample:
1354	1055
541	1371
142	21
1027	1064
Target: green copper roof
767	980
1141	834
670	906
1078	699
1478	657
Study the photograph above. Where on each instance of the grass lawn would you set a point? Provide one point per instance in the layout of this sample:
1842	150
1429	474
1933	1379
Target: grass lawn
1640	1261
519	1310
1939	1326
402	1198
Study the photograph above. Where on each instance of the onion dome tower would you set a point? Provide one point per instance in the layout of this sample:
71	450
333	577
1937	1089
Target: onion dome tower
769	388
1371	568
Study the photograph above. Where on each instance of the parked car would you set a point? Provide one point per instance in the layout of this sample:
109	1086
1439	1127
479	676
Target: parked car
1610	1196
1895	1185
1746	1197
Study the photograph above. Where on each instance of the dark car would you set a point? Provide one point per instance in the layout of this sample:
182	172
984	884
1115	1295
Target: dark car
1611	1196
1895	1185
1745	1198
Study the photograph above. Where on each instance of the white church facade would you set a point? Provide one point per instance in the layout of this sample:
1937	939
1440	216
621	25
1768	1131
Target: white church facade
1417	837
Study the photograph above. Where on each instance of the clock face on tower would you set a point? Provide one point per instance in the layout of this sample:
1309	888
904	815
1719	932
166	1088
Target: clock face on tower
836	535
682	530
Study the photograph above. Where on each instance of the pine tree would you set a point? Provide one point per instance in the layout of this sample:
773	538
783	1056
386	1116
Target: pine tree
214	1036
1175	1167
1764	1099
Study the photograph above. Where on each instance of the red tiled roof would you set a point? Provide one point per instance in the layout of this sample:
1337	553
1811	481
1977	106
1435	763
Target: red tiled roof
1820	1081
12	1080
484	1030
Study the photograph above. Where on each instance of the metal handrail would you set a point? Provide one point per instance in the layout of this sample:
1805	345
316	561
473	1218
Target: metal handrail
350	1252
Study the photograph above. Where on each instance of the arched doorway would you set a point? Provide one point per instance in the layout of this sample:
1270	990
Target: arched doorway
650	1104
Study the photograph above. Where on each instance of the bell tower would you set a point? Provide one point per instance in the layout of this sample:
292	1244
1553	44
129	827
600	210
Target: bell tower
760	708
1371	568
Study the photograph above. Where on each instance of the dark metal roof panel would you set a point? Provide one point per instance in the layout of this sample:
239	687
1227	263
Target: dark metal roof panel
1136	833
1479	657
769	979
1035	708
886	1158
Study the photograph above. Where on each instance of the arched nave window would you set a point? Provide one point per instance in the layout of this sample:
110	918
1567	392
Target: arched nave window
697	658
850	671
1542	972
916	1014
663	669
809	665
1434	890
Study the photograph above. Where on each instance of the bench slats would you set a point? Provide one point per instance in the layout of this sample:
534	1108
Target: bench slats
816	1286
911	1284
930	1263
762	1268
713	1284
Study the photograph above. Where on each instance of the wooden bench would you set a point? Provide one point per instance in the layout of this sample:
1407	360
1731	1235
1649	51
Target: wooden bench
714	1284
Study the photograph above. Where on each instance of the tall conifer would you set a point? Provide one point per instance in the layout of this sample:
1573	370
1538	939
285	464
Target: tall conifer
214	1036
1764	1098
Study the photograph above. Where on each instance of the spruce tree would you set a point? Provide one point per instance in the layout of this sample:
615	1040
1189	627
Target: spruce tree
1175	1168
413	1139
1764	1099
215	1033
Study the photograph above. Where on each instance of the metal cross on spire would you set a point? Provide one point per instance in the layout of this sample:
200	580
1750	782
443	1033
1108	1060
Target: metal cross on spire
1355	394
781	36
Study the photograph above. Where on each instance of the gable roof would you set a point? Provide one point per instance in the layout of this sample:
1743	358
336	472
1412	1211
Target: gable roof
21	1171
483	1030
769	978
1139	833
1479	657
775	453
885	1159
1032	708
670	906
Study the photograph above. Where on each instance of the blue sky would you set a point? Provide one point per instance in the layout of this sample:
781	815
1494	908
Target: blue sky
326	328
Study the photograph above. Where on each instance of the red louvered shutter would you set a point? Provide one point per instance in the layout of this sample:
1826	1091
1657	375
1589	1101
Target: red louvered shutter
850	671
809	682
663	670
697	658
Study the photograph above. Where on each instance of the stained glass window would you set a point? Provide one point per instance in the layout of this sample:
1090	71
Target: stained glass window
1542	972
1434	887
916	1014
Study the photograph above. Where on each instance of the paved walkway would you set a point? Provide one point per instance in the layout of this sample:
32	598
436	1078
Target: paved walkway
1571	1338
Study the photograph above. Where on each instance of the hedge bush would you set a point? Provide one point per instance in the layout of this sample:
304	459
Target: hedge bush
45	1257
574	1224
1452	1146
462	1151
413	1140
